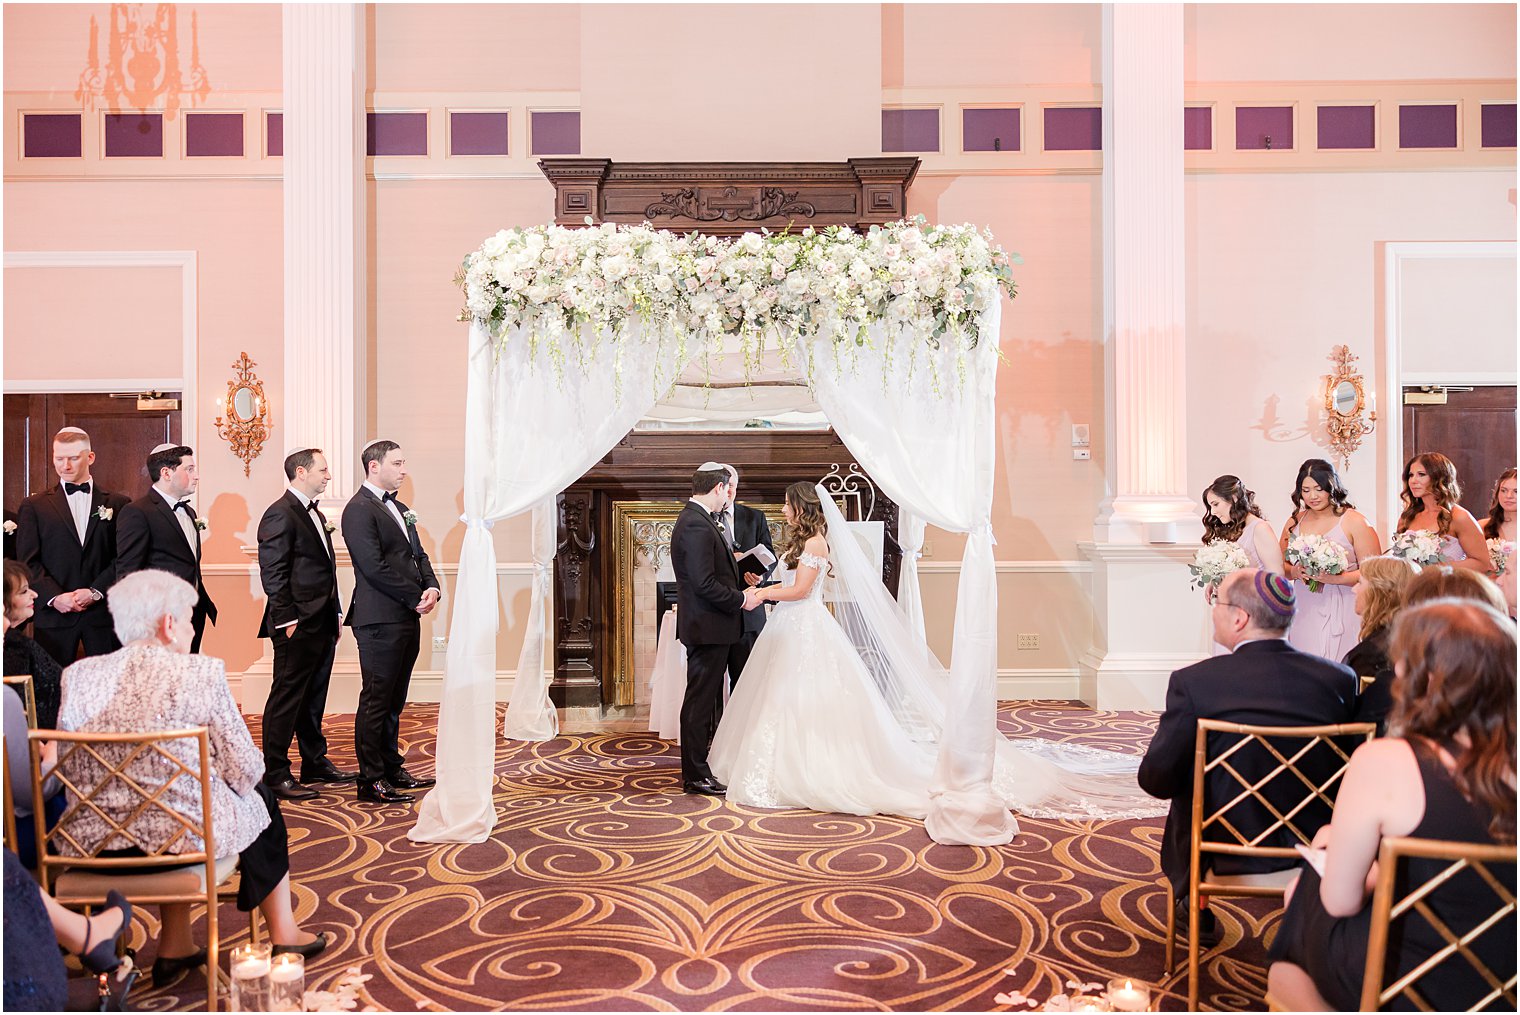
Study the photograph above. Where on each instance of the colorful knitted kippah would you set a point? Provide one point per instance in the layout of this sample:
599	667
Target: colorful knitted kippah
1276	591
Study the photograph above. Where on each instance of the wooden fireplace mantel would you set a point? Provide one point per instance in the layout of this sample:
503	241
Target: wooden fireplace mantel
728	198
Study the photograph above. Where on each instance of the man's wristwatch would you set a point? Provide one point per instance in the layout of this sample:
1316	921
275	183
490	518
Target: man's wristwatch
97	595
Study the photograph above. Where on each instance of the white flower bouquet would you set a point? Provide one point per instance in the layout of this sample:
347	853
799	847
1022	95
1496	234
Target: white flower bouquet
1418	545
1501	552
1215	561
1316	556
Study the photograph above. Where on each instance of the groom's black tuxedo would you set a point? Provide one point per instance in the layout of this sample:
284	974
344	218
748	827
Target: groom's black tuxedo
709	622
391	573
47	542
149	535
300	577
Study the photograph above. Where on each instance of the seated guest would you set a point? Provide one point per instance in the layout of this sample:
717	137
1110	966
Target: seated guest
23	656
153	683
35	979
1442	581
19	761
1380	590
1263	681
1447	772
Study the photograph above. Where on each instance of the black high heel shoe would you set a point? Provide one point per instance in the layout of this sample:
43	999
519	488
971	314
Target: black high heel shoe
102	958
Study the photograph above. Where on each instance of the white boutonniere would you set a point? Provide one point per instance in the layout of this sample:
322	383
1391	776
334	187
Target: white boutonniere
329	528
410	518
202	524
104	513
10	528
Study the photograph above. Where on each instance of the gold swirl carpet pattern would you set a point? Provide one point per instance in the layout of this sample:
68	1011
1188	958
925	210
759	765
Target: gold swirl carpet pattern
605	888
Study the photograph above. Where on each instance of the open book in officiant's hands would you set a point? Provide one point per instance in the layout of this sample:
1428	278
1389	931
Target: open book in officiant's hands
758	561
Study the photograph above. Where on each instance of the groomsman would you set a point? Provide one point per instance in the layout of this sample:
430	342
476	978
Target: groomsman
66	537
159	530
301	617
744	528
394	588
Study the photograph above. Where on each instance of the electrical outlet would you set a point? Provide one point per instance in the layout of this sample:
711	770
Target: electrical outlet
440	644
1028	642
1081	454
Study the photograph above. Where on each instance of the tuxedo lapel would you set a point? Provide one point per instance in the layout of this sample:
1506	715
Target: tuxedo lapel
413	540
61	505
194	555
97	501
722	543
302	514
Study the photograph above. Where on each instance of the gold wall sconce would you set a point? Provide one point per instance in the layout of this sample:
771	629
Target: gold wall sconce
1349	412
246	413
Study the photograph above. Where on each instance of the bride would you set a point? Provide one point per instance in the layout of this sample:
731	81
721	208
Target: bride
843	711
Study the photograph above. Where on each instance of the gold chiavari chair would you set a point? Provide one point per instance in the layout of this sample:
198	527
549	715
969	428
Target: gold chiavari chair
23	686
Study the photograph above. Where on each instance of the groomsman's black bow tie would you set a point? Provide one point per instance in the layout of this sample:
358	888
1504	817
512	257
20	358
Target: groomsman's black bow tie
311	505
70	488
184	505
389	498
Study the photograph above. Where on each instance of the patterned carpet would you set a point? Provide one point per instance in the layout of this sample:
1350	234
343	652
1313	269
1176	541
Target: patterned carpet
605	888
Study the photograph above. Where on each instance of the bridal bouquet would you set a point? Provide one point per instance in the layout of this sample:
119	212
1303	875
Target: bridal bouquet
1215	561
1501	552
1418	545
1316	556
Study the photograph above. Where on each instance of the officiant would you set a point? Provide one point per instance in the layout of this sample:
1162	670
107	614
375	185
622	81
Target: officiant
744	528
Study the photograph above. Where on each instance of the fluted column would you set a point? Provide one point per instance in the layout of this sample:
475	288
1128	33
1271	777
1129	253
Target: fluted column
326	273
1144	261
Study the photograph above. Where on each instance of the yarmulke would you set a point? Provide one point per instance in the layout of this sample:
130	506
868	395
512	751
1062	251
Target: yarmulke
73	429
297	450
1276	591
164	447
712	467
377	440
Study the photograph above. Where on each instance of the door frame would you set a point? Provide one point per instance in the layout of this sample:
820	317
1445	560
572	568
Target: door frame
1391	378
186	383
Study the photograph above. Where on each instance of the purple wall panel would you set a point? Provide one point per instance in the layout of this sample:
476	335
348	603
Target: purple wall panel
274	125
1254	124
557	132
134	135
61	135
397	134
910	130
1428	126
1197	128
1347	126
1074	128
990	130
208	134
478	134
1498	124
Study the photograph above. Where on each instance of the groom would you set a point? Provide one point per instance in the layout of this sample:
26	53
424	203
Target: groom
710	600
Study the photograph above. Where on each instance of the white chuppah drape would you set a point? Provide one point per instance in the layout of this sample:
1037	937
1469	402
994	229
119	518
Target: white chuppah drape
529	433
923	432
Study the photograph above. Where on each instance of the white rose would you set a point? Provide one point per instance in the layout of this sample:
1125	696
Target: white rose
663	283
751	243
796	284
860	271
615	267
495	246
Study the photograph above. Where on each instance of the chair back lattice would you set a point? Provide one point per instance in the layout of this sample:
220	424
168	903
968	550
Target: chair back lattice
1476	935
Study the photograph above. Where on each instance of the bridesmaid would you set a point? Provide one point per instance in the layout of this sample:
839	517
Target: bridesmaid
1431	495
1326	623
1230	513
1500	524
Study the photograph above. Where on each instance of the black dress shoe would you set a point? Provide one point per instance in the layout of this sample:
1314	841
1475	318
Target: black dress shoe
382	792
1208	924
289	789
406	780
166	969
706	787
327	772
309	950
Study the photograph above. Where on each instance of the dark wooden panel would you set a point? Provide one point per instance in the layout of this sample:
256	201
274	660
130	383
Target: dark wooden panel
121	436
1476	430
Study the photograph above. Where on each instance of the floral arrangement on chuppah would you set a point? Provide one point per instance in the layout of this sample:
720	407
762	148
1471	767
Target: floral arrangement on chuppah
572	289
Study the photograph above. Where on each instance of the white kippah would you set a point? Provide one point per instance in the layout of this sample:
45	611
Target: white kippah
377	440
73	429
712	467
297	450
164	447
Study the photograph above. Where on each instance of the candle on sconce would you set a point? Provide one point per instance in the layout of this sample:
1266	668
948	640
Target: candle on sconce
1372	402
1125	994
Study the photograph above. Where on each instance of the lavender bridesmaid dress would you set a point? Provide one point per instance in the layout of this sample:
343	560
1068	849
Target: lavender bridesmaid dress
1246	542
1325	622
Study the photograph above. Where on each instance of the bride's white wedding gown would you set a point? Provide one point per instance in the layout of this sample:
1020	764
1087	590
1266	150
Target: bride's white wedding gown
807	726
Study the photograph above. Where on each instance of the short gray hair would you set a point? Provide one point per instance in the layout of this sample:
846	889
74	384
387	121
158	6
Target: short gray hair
142	599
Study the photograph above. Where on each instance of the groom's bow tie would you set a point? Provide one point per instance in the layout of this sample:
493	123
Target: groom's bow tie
389	498
70	488
716	516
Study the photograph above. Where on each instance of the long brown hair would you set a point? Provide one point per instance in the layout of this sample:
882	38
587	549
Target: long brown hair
807	520
1242	507
1386	579
1495	509
1328	480
1445	491
1455	661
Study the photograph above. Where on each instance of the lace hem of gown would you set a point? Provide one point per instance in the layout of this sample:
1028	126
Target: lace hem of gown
1081	783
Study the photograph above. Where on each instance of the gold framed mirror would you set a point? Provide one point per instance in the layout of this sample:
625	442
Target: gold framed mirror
1348	415
243	414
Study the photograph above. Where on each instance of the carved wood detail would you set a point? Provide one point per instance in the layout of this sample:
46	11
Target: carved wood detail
726	198
657	466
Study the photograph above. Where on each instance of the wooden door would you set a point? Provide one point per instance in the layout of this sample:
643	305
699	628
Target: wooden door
1475	429
121	436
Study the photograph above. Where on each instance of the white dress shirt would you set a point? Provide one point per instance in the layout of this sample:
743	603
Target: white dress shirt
185	524
315	521
391	504
79	507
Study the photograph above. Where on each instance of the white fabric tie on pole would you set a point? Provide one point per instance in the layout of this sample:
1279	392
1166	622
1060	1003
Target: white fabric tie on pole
910	539
530	713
